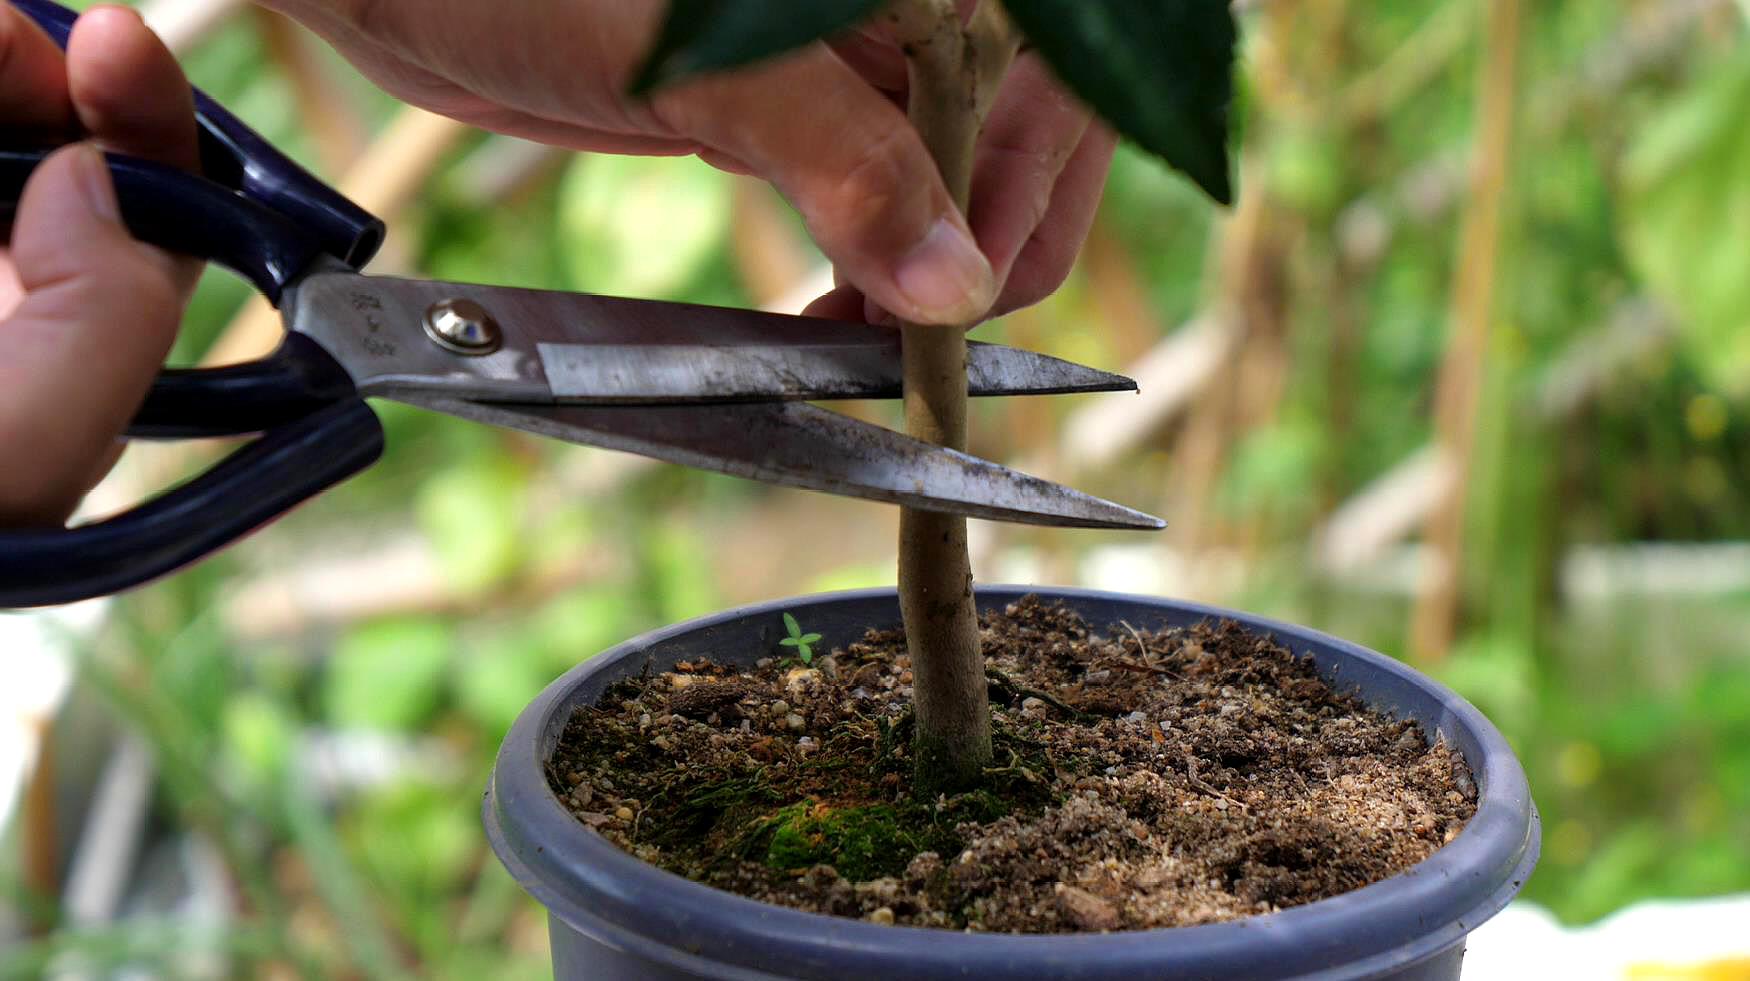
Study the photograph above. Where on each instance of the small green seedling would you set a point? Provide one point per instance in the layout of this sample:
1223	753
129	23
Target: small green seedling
799	640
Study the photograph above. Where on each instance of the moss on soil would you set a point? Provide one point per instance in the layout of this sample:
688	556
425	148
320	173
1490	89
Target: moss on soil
861	842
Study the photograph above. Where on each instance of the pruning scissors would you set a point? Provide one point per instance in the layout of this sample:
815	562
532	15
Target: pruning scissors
715	388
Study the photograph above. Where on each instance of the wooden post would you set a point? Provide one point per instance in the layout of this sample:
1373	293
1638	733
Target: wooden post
182	24
769	253
337	131
40	838
1435	619
1201	452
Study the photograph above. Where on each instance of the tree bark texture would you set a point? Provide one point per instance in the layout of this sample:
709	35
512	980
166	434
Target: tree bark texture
954	72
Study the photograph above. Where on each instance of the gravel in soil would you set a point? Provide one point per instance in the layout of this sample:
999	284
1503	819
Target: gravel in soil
1143	779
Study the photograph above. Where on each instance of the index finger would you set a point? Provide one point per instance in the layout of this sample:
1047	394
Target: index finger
130	95
127	90
33	78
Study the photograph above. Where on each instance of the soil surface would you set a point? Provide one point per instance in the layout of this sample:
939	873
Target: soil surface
1142	780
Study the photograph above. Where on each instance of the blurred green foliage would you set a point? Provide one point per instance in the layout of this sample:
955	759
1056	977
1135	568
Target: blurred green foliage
1643	781
1686	195
1632	714
389	674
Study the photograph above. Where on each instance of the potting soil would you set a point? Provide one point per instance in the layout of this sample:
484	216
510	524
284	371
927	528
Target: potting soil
1142	779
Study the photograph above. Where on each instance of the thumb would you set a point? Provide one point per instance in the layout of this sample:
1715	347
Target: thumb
77	354
852	164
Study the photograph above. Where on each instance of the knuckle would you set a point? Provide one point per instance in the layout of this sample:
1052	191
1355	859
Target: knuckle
869	191
1044	267
1030	173
683	108
1038	174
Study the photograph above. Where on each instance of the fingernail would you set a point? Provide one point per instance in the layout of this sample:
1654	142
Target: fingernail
94	181
945	276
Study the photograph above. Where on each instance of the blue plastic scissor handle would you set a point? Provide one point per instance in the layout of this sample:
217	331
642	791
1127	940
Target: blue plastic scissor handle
236	156
251	487
255	211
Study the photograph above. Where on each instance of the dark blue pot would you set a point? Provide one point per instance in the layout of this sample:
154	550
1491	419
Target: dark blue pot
612	916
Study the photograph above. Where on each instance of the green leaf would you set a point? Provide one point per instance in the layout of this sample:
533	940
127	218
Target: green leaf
790	642
496	675
641	226
674	576
1686	207
414	837
388	675
471	516
792	626
260	734
1271	467
579	625
810	639
1159	71
713	35
852	577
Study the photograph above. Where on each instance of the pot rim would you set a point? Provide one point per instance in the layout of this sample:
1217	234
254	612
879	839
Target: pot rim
594	887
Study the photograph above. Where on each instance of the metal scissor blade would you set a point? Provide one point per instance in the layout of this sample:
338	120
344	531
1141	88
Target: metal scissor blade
795	444
866	367
587	349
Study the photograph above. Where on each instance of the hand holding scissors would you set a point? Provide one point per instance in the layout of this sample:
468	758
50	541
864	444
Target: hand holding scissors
81	302
715	388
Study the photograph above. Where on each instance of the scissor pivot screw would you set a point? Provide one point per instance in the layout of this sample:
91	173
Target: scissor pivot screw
463	326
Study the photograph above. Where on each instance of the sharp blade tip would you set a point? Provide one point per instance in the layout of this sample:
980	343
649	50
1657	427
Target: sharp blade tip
1099	513
1050	374
1109	381
1138	521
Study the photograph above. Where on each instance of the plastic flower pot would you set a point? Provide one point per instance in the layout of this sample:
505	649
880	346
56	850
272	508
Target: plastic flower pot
613	916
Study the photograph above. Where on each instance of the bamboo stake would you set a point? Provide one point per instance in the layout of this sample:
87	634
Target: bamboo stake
338	132
1177	370
1401	500
1118	294
505	169
1262	375
768	252
182	24
40	835
1241	243
1430	189
1434	621
1415	63
1201	452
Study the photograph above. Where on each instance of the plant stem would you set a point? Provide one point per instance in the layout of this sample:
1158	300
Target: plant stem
954	71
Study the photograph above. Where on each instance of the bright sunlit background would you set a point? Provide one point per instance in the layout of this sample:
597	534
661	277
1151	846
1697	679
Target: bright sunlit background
1463	376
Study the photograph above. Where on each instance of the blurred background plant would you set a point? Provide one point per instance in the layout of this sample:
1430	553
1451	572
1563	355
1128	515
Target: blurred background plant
1463	377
